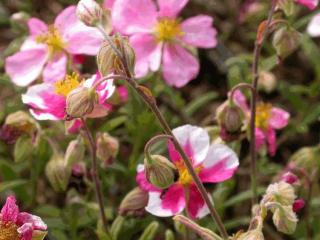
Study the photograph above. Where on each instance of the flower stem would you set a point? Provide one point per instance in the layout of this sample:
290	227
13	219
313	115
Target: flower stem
95	175
261	36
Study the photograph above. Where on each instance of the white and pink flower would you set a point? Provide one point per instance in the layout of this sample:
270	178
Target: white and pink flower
213	163
268	120
19	225
48	49
160	39
47	101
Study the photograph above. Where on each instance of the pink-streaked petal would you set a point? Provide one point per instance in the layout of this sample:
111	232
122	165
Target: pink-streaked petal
37	223
134	16
311	4
25	66
10	211
173	153
167	204
104	90
279	118
148	53
171	8
143	182
314	26
108	4
25	231
66	19
195	141
179	66
272	141
219	165
55	69
260	138
74	127
199	32
37	27
196	206
241	101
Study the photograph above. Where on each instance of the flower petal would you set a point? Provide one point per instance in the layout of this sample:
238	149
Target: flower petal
168	204
314	26
148	53
10	211
279	118
134	16
55	69
311	4
25	231
260	138
37	27
272	141
241	101
196	206
66	20
37	223
219	165
25	66
171	8
143	182
195	141
179	66
108	4
199	32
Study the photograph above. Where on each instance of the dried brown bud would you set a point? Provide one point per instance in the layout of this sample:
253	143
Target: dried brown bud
89	12
134	202
22	122
281	192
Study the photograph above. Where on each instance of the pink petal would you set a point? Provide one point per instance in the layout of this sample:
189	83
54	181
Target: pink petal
104	90
167	204
55	69
314	26
199	32
25	231
311	4
74	127
196	206
10	211
37	27
143	182
219	165
179	66
195	141
134	16
171	8
66	20
108	4
279	118
272	141
240	100
25	66
260	138
148	53
37	223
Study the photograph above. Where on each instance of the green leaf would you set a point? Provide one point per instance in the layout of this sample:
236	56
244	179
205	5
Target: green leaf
200	102
242	197
23	149
150	232
9	185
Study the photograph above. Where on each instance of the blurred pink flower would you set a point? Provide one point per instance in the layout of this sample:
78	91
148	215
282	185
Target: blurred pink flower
47	49
268	120
108	4
18	225
311	4
158	37
47	101
213	163
298	205
314	26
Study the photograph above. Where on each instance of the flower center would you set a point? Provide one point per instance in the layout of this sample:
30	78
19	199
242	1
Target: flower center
184	177
53	40
263	115
66	85
8	231
168	29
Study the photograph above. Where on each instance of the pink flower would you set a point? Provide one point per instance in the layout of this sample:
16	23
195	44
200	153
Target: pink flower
108	4
213	163
158	37
47	101
47	49
314	26
311	4
18	225
268	120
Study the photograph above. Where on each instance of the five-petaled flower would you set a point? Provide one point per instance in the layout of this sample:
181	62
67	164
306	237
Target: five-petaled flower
48	49
16	225
158	36
213	163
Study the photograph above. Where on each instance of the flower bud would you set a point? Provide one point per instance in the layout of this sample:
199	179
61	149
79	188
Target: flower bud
22	122
267	81
290	178
80	102
285	41
160	172
20	19
134	202
89	12
75	152
282	193
232	119
285	219
306	158
298	205
58	173
251	235
107	147
108	61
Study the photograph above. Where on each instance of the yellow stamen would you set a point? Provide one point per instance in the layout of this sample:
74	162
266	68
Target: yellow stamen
70	82
8	231
263	115
168	29
184	177
53	40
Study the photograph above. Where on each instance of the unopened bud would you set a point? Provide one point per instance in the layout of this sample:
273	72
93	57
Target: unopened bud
89	12
75	152
160	172
285	41
232	119
267	81
281	192
298	205
58	173
107	147
306	158
107	59
80	102
251	235
22	122
285	219
134	202
290	178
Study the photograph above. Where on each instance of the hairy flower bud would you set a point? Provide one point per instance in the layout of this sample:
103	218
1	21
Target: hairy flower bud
282	193
75	152
267	81
251	235
22	122
290	178
89	12
80	102
285	219
298	205
160	172
232	119
107	147
109	62
134	202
